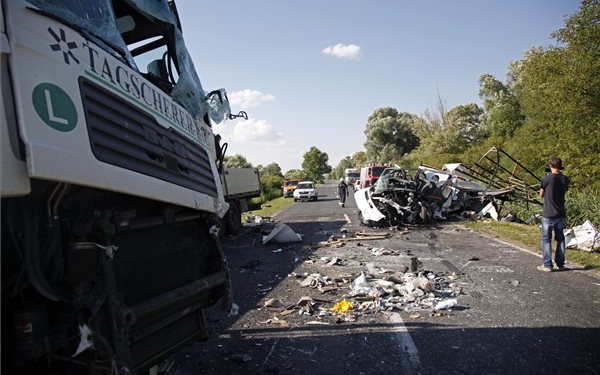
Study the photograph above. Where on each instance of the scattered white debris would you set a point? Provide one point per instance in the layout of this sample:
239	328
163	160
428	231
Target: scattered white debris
282	233
583	237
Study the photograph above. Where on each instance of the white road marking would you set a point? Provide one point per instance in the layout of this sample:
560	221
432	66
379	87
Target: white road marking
347	219
412	364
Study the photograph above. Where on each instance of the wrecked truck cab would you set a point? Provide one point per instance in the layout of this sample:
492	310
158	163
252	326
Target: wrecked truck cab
389	200
408	195
418	195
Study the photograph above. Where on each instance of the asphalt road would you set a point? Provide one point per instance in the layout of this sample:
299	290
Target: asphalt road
509	318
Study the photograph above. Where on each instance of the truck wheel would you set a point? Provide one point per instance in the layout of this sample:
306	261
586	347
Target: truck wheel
233	219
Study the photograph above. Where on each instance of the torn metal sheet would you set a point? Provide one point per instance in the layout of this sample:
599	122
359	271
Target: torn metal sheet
85	339
282	233
490	210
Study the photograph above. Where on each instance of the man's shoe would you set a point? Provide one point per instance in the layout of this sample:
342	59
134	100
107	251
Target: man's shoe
563	268
544	269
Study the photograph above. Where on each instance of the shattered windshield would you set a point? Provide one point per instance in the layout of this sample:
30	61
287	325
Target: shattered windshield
146	35
387	176
94	19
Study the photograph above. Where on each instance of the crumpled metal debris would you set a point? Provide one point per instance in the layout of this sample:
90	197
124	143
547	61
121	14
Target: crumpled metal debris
85	339
424	194
315	280
413	292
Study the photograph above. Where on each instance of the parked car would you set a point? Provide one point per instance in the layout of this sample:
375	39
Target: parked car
305	190
357	185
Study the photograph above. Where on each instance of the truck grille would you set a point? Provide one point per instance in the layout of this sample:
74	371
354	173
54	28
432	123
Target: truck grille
125	136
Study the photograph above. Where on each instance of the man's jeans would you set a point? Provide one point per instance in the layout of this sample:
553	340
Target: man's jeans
557	225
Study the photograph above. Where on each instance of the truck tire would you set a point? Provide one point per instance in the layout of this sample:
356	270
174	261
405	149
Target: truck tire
233	218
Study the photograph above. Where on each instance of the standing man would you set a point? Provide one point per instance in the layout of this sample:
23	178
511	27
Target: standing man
342	190
553	188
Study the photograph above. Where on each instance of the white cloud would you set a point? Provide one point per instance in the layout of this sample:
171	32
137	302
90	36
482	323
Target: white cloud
251	130
344	51
248	98
258	142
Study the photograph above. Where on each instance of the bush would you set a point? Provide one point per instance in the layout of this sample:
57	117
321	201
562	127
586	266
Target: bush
583	205
271	187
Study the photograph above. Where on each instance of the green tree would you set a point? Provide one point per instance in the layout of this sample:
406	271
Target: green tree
389	135
338	172
502	111
359	159
559	91
435	142
272	169
315	163
464	128
297	174
271	186
237	161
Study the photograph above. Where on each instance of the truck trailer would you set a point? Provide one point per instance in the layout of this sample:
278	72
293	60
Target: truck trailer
112	185
351	175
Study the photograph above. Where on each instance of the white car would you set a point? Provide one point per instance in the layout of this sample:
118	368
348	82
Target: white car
306	191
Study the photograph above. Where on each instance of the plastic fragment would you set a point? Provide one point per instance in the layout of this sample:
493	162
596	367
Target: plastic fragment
343	306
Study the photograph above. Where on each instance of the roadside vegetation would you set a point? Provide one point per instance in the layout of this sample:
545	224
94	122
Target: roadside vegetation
270	208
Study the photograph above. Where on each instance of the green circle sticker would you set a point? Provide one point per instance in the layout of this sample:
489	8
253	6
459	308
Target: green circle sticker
55	107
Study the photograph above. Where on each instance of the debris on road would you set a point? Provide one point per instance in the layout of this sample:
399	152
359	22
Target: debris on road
343	306
583	237
445	305
282	233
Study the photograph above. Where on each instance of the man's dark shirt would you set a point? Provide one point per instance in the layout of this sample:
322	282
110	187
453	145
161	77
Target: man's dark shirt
555	186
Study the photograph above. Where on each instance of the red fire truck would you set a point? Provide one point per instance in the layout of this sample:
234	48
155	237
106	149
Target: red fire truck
369	174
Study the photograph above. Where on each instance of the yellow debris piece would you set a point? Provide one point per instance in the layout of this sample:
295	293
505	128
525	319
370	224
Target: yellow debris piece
343	306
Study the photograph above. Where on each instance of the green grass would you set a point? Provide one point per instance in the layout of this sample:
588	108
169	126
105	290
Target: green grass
529	237
270	208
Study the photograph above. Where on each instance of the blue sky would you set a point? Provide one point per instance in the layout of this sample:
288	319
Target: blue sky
310	73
